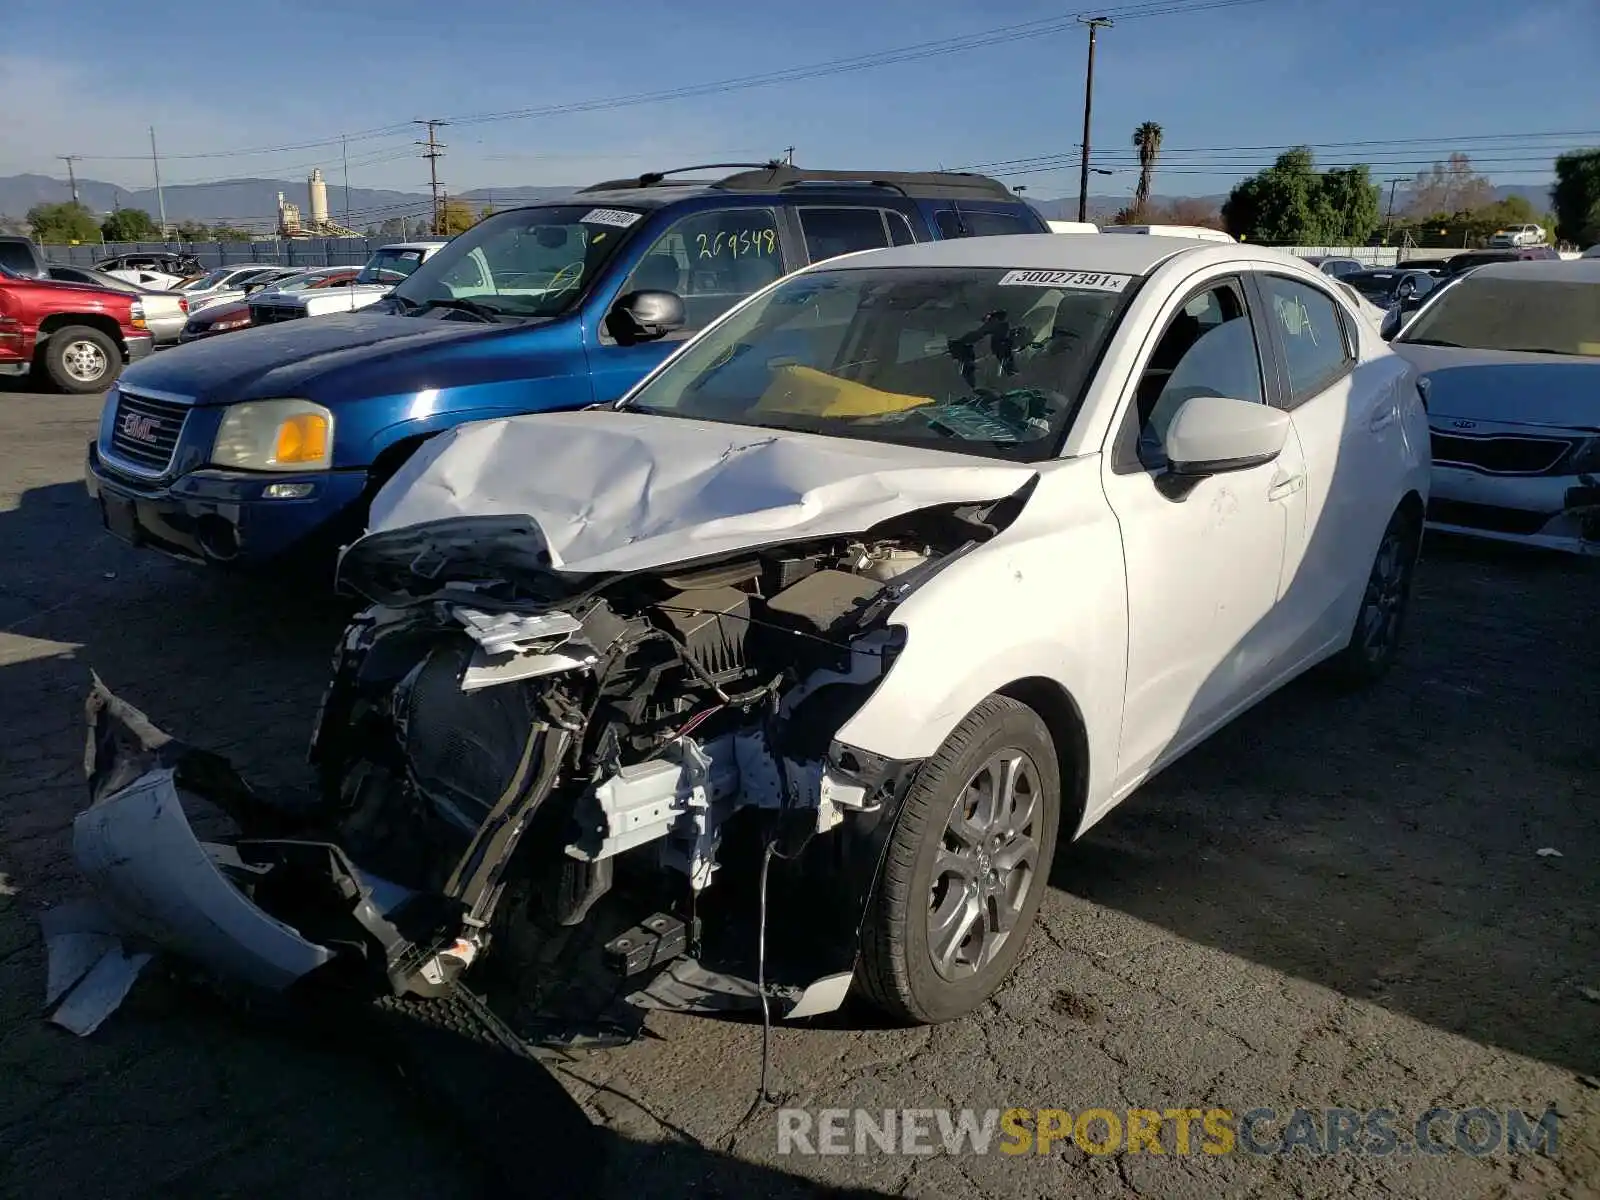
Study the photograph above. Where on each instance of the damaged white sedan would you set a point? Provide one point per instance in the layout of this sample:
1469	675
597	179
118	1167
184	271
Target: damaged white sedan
786	673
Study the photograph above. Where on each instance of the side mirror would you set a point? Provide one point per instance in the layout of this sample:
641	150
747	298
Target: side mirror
645	316
1210	435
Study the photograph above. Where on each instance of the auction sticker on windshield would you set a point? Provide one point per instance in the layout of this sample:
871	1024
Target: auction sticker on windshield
1098	281
619	217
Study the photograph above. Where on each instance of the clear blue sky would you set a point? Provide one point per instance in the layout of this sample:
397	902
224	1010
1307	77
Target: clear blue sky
1424	76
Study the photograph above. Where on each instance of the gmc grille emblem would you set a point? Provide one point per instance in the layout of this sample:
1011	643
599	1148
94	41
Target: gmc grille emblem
140	427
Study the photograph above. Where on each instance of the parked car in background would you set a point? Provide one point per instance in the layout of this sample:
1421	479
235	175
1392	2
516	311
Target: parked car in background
160	270
551	306
1433	266
244	286
1073	227
1509	358
74	335
1398	293
227	281
1337	267
1170	475
1519	235
164	312
234	315
1469	260
1592	252
389	266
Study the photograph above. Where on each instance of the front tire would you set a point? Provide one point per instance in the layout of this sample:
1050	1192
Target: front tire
1380	623
81	360
965	869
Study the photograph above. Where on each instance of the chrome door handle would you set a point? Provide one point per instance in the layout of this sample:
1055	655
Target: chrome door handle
1284	486
1383	420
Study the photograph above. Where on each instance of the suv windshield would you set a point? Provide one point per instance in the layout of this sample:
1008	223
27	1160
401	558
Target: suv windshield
1541	316
973	360
530	262
389	266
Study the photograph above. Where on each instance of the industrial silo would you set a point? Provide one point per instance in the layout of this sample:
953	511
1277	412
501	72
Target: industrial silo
318	188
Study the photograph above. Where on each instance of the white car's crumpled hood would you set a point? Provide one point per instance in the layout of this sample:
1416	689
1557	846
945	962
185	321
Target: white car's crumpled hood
616	491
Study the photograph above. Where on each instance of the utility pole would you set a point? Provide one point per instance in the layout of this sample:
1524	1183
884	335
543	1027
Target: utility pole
1388	222
432	150
344	154
161	202
72	177
788	156
1095	24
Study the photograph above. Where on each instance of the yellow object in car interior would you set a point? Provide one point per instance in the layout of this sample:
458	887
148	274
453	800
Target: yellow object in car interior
1591	349
813	393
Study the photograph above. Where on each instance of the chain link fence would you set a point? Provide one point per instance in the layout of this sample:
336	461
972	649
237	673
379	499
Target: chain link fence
285	252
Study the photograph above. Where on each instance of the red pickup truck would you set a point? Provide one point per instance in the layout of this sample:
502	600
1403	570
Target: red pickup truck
79	336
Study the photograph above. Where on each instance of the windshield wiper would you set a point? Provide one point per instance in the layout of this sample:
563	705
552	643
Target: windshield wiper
1433	342
484	312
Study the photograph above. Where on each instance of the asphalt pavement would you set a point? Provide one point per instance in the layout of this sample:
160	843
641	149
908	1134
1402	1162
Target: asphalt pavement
1339	900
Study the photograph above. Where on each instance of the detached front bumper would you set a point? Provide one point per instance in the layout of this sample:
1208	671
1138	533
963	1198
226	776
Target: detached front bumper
1550	512
224	517
139	345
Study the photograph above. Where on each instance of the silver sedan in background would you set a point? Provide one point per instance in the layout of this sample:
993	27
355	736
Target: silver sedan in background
164	312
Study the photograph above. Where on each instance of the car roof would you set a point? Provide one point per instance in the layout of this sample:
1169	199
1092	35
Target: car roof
1549	270
1052	252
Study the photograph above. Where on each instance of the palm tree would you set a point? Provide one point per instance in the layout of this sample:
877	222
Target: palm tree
1147	141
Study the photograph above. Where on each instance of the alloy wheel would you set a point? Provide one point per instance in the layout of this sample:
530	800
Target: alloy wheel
985	865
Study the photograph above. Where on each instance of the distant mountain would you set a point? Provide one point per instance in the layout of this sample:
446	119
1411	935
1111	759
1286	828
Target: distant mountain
252	202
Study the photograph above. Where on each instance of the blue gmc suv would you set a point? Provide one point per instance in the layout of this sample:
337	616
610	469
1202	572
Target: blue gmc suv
272	441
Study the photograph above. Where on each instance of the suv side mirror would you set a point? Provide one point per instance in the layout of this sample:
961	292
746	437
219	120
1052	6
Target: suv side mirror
1210	435
645	316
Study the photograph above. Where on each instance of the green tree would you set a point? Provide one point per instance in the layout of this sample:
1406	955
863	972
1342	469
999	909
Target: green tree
1347	206
63	223
194	231
129	225
1576	197
456	217
231	233
1147	140
1291	203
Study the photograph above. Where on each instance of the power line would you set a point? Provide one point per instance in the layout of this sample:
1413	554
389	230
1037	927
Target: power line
860	62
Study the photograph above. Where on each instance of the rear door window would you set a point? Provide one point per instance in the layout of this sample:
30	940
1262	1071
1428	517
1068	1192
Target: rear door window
830	232
970	223
15	256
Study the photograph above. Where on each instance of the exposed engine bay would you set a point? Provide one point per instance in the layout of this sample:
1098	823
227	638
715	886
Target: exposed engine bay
504	744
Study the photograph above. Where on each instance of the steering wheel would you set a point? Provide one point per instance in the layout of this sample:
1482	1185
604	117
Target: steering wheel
559	282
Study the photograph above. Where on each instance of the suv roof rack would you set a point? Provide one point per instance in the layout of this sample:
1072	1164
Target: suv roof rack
781	176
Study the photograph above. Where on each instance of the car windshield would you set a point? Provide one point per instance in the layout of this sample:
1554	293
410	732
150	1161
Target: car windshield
1498	312
982	361
529	262
389	266
210	280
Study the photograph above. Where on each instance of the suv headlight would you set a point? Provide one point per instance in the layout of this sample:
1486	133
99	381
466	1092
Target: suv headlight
275	435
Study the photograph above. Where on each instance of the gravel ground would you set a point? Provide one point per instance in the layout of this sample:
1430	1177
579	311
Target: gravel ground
1337	901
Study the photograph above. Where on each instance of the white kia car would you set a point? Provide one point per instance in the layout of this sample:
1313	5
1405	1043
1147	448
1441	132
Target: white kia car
911	564
1509	363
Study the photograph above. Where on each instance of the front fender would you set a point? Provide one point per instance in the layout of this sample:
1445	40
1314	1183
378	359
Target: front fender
1046	598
